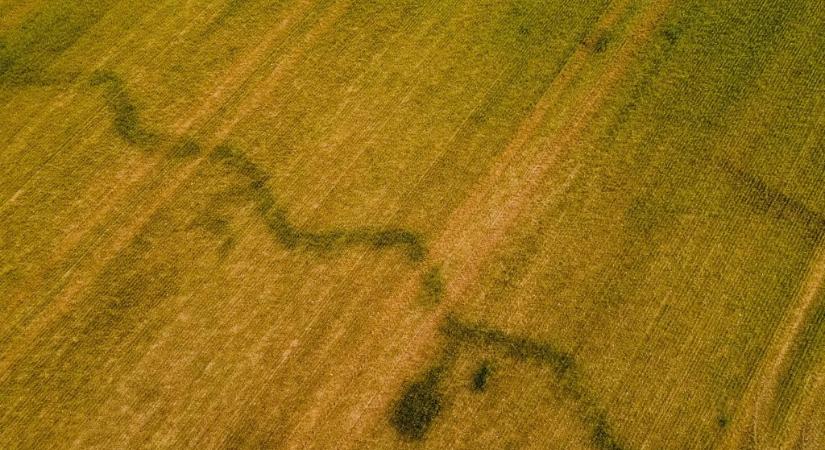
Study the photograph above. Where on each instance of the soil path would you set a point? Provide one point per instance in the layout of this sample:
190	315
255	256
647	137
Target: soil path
481	223
753	423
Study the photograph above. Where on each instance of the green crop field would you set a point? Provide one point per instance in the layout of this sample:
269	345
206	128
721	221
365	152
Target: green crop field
345	224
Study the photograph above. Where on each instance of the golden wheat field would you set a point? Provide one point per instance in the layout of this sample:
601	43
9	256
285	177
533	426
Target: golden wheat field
489	224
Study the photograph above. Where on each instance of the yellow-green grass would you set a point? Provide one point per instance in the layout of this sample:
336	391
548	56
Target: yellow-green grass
339	224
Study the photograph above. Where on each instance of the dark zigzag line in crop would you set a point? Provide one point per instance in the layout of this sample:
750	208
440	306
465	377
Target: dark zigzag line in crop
755	192
291	237
422	401
126	123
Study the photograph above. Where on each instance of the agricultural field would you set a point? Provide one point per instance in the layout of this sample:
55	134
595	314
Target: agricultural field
335	224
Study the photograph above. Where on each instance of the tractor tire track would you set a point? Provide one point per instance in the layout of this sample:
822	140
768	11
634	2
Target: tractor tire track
751	423
529	175
498	201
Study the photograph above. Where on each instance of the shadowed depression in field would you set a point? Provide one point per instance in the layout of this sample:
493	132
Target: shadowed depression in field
439	224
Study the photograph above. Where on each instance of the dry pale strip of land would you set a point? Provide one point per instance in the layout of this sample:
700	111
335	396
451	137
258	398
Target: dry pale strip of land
499	207
751	425
225	353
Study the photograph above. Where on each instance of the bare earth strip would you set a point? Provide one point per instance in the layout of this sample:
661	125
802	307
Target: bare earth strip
808	426
751	422
804	428
496	204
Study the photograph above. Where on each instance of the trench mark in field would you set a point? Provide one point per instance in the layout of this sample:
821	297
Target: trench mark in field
126	121
432	286
770	200
418	414
481	376
422	400
291	237
127	124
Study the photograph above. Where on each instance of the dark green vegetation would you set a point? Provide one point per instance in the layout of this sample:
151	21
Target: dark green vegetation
497	224
418	406
469	337
26	53
481	376
126	121
432	285
520	348
422	400
334	240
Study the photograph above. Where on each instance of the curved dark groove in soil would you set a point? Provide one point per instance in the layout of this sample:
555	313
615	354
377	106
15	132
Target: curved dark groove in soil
126	122
127	125
421	400
292	237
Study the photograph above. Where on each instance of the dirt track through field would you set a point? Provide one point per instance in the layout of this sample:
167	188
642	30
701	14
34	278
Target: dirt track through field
803	430
493	207
396	338
752	420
